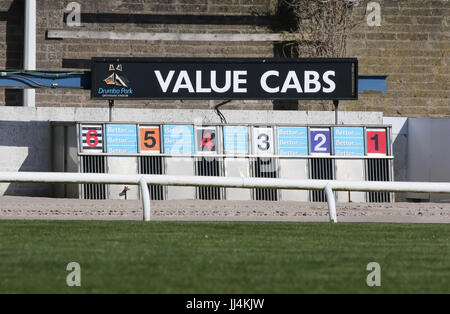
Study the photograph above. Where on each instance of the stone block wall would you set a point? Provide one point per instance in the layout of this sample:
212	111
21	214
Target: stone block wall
411	47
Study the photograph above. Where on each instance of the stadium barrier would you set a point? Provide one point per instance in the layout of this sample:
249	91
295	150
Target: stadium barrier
230	182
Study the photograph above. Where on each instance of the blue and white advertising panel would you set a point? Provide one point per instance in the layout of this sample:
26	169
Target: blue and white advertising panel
292	141
235	139
263	141
178	139
348	141
121	138
320	141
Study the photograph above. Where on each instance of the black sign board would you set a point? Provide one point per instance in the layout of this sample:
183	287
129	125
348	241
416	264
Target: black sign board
214	78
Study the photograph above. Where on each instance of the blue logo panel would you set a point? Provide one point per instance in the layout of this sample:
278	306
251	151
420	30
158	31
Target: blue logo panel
320	141
348	141
293	141
235	139
121	138
178	139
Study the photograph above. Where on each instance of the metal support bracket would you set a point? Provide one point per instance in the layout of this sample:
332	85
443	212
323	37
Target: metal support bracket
331	203
145	195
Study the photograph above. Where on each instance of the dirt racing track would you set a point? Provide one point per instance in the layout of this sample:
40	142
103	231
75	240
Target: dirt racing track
12	207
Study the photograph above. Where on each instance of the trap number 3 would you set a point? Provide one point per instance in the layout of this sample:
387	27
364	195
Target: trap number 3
263	141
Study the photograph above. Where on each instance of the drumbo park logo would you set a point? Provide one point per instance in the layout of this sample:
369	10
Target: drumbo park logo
117	85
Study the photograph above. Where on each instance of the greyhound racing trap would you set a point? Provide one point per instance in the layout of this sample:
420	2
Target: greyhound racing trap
295	151
332	152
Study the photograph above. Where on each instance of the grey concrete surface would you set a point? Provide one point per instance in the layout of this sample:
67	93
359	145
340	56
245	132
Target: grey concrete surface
69	209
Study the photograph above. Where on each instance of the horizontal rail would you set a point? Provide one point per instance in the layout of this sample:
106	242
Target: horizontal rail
230	182
212	155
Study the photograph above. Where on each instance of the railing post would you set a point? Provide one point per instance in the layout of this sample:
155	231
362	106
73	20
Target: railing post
331	203
145	195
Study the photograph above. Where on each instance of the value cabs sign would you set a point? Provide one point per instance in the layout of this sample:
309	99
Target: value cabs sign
214	78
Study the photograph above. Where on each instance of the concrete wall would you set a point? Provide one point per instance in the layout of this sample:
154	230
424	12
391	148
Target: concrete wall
191	16
294	169
123	165
420	148
399	139
350	170
428	151
411	46
25	144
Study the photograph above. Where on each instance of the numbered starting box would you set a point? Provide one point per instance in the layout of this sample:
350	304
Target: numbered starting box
293	147
208	161
236	151
178	146
149	139
264	164
321	152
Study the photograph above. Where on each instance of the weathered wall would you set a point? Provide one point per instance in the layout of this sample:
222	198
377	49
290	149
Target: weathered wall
196	16
411	46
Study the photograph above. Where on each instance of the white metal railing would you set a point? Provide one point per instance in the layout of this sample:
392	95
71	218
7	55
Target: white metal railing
230	182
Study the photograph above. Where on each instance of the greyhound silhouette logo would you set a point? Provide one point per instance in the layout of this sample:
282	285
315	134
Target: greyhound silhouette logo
117	84
114	78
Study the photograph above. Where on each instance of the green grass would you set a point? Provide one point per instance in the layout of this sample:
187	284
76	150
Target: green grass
226	257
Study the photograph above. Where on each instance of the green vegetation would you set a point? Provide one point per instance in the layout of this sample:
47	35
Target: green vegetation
225	257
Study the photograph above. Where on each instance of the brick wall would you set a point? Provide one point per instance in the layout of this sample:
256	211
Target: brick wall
411	46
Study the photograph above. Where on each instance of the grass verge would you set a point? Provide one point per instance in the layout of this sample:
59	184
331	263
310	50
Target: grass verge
222	257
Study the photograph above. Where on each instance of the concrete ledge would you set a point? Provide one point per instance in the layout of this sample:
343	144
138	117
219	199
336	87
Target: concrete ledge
64	34
185	115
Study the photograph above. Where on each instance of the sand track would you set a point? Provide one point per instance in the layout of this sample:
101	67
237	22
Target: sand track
12	207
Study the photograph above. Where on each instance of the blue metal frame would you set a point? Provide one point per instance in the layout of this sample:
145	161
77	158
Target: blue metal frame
82	80
377	83
45	79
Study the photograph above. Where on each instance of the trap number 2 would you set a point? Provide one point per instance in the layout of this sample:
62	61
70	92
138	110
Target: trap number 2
320	141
